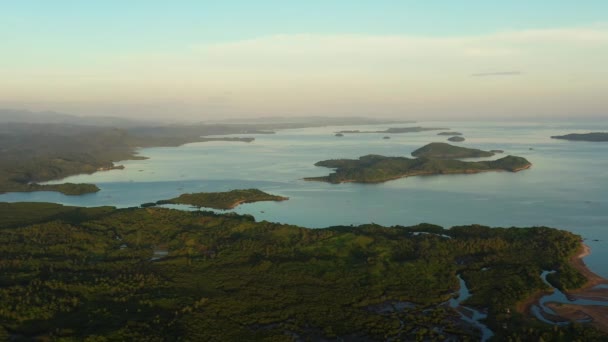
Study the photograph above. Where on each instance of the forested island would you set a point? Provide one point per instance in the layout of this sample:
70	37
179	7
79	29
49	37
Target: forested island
447	151
395	130
378	169
595	136
449	133
155	274
220	200
456	139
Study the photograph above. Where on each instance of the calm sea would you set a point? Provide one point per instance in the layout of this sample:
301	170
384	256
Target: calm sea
566	187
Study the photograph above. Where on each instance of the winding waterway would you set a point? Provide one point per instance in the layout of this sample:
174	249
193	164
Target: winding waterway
473	317
541	310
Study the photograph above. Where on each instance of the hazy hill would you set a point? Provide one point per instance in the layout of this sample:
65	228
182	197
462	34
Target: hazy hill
48	117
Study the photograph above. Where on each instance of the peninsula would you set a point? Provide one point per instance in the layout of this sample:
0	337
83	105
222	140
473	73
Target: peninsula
378	169
69	189
90	274
594	288
447	151
34	153
220	200
595	136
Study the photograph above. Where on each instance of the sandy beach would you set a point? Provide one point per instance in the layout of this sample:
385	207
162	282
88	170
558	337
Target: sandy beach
596	314
593	280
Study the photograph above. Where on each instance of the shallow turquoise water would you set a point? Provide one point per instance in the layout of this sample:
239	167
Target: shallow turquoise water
565	188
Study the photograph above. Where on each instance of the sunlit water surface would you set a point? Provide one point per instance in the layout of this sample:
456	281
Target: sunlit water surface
565	188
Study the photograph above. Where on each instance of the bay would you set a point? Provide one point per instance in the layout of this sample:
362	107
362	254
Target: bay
565	188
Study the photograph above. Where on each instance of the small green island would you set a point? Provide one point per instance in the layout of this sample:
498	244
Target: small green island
378	169
220	200
456	139
594	136
449	133
447	151
395	130
157	274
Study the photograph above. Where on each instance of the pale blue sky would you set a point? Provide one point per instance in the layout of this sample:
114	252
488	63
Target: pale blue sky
141	24
117	56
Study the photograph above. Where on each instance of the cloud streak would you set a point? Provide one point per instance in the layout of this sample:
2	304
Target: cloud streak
323	74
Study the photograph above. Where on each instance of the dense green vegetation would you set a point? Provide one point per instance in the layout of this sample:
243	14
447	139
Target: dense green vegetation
376	169
449	133
456	139
72	189
220	200
94	274
595	136
35	153
447	151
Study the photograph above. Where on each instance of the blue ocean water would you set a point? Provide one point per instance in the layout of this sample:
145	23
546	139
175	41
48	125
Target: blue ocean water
566	187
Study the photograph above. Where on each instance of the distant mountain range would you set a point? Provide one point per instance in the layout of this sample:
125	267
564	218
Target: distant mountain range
26	116
311	120
48	117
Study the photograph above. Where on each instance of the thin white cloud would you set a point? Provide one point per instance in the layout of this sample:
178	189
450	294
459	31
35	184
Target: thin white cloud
350	47
317	74
593	34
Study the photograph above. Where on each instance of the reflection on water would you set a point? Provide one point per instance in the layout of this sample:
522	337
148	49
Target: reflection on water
565	188
159	254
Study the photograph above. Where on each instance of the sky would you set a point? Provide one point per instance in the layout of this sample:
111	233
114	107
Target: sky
220	59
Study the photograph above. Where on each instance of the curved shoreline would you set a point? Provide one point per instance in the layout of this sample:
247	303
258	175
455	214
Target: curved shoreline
597	315
237	203
578	263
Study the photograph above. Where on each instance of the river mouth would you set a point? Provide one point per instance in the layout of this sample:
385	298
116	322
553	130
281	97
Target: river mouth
584	306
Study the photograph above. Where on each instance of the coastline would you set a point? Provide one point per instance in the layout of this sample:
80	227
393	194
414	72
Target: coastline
598	315
578	263
237	203
415	174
